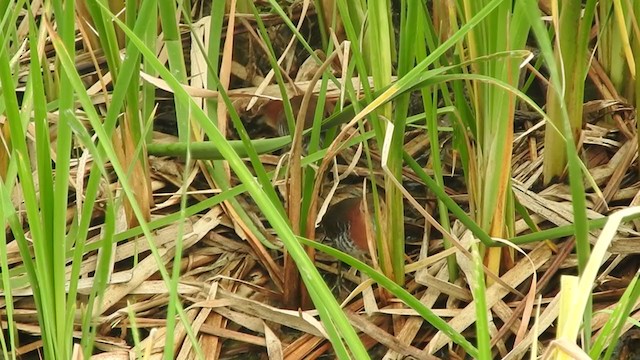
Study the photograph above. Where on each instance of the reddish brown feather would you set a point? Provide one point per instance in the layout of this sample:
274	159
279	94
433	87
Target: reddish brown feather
345	225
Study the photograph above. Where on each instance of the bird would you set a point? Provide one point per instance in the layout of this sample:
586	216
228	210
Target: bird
345	225
274	115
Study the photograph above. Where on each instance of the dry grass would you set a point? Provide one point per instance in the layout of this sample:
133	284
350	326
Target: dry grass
232	285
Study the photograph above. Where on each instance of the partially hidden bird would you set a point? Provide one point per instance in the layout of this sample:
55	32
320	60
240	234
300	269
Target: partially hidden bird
345	225
275	116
